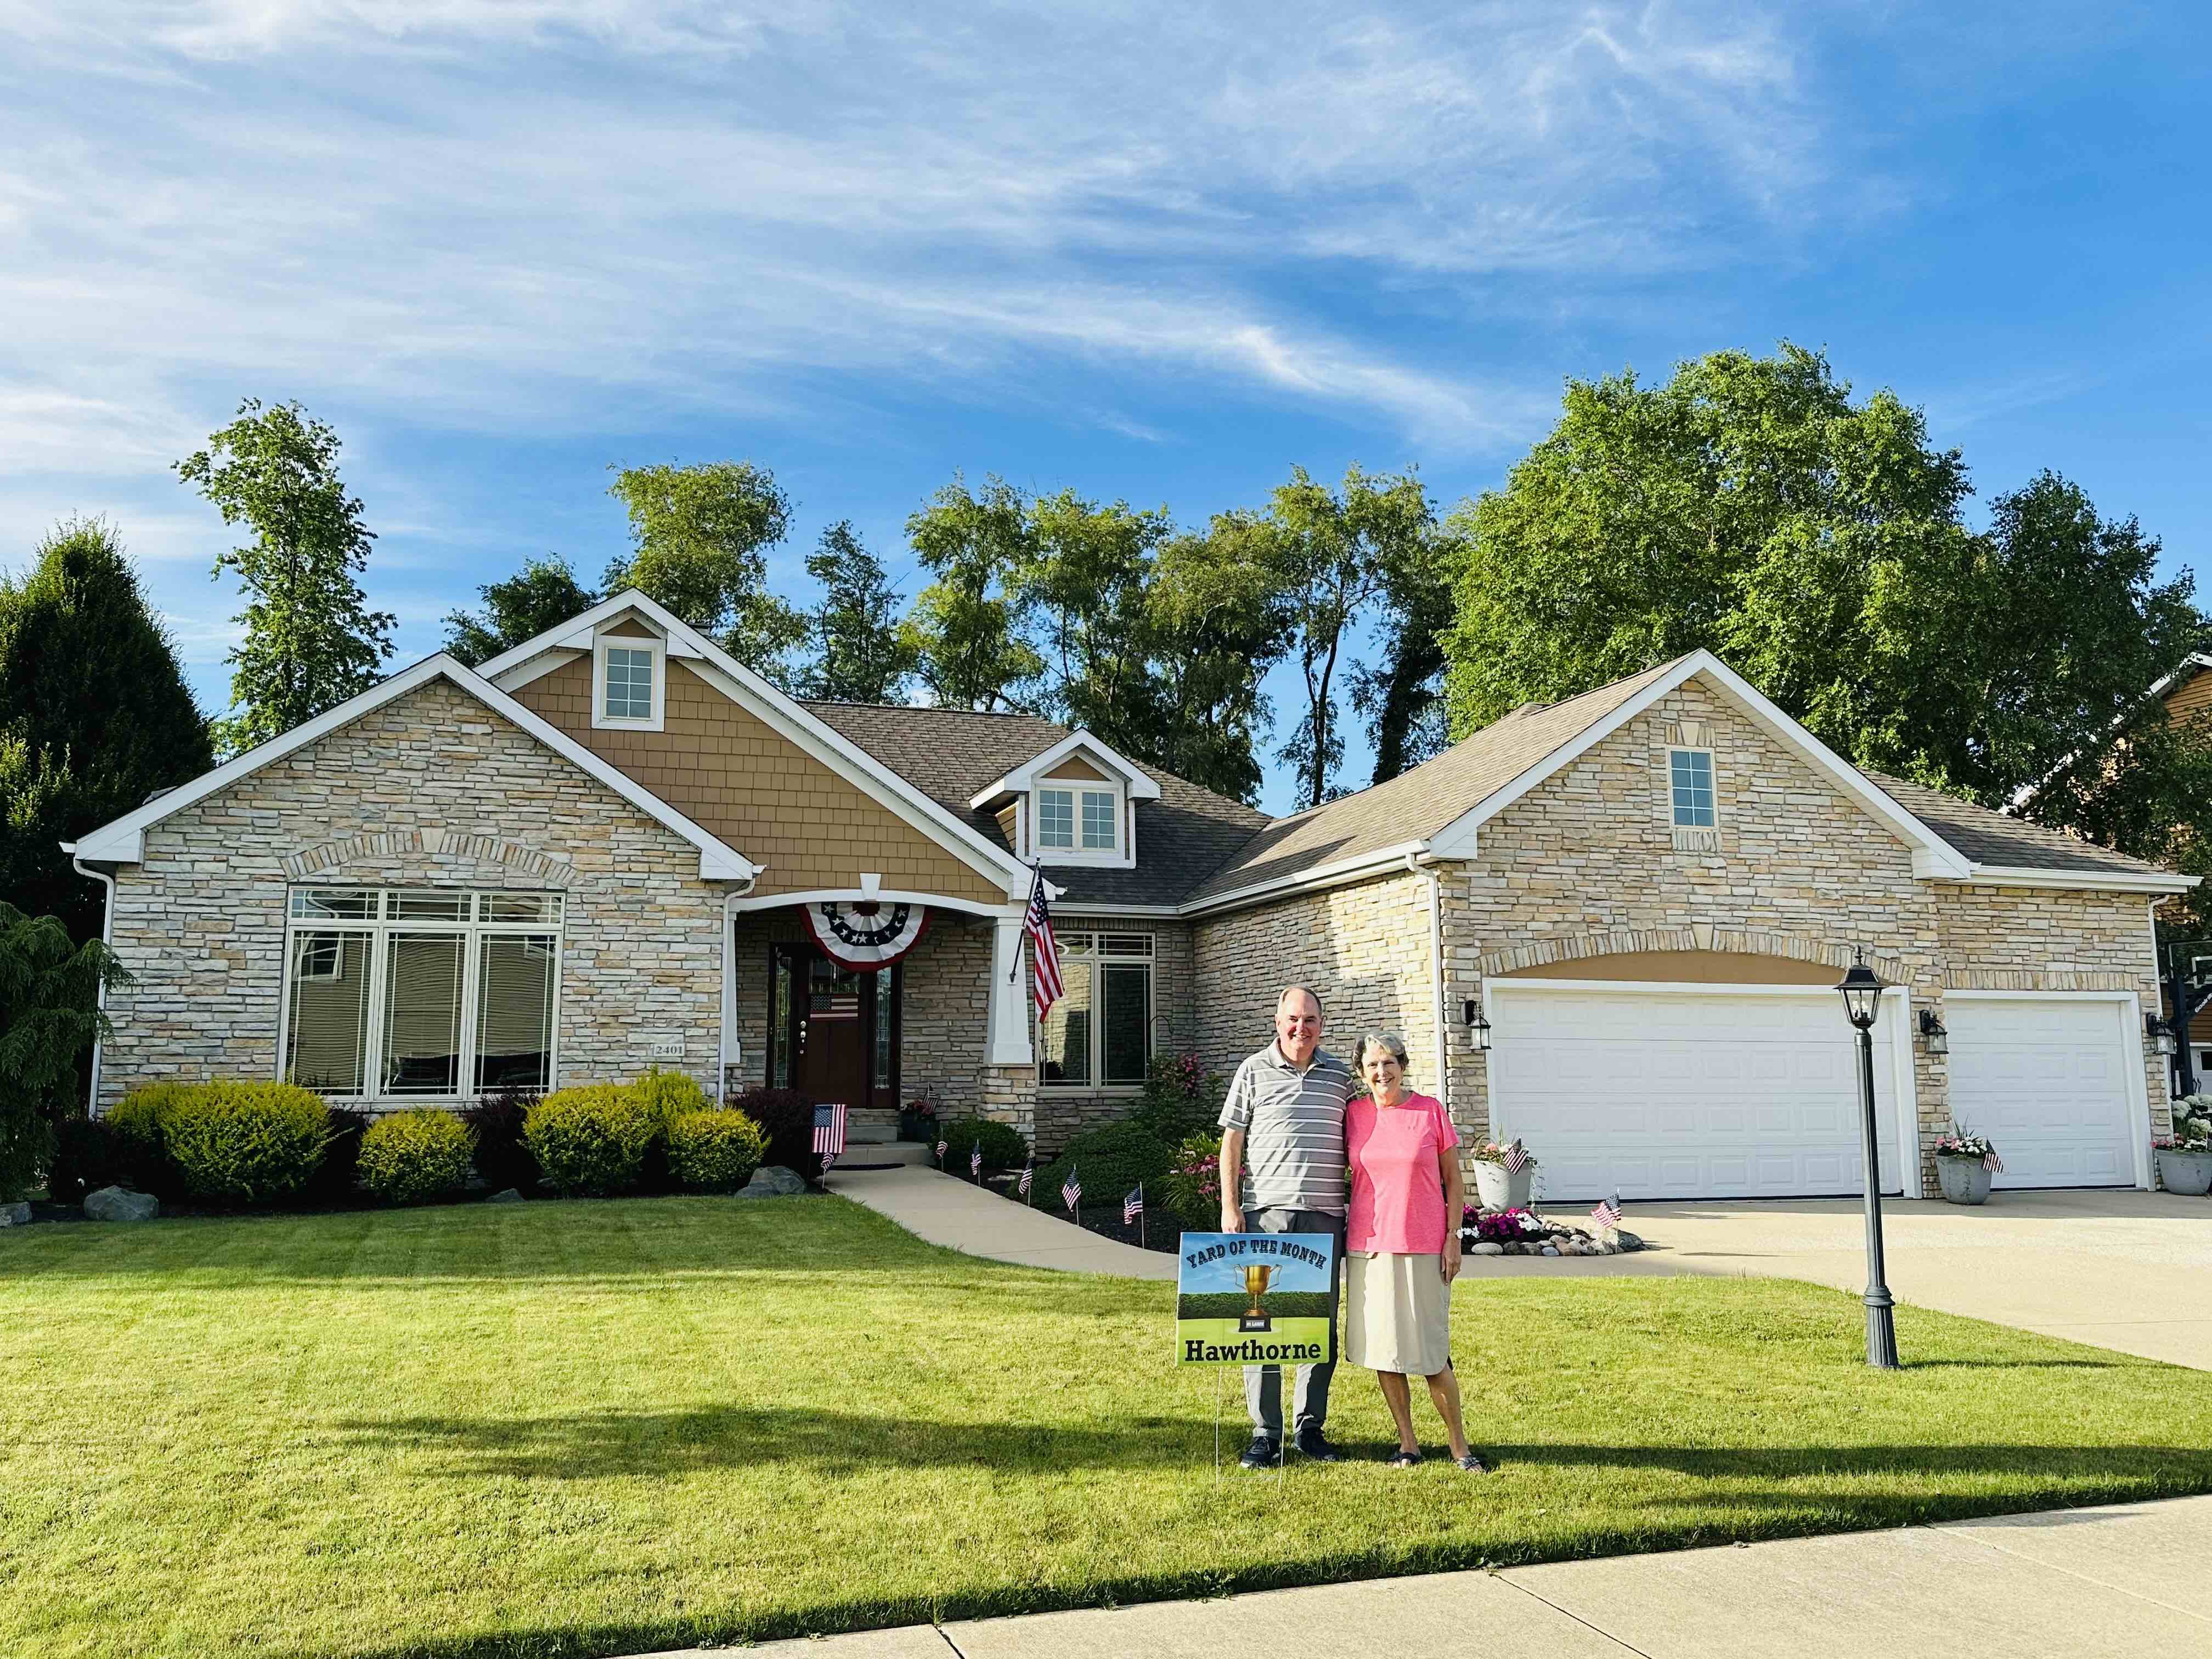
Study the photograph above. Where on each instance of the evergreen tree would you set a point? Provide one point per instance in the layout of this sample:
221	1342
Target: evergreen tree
94	715
542	595
311	641
858	656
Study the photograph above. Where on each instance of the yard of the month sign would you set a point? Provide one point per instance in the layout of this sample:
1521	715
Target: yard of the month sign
1256	1299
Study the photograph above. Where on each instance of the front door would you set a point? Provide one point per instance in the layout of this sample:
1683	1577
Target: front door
835	1032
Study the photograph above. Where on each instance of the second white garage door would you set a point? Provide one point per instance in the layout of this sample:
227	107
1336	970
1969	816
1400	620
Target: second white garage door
2048	1078
1688	1091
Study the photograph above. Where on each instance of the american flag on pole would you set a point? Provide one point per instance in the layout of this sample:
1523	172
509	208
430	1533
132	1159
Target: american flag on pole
975	1161
1133	1205
1071	1190
1043	947
942	1145
1607	1213
830	1130
1028	1175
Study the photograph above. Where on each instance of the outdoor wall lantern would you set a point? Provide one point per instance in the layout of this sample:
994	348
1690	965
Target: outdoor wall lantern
1862	991
1932	1033
1478	1028
2159	1033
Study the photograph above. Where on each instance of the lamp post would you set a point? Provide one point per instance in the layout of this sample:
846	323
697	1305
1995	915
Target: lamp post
1862	989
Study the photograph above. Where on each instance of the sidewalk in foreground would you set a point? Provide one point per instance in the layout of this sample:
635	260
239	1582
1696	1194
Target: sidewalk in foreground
942	1209
2085	1583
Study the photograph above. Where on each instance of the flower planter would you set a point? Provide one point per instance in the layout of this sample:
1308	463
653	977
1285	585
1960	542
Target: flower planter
1497	1190
2186	1173
1964	1180
915	1127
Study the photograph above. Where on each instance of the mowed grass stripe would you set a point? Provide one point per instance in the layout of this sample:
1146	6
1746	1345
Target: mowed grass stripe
602	1428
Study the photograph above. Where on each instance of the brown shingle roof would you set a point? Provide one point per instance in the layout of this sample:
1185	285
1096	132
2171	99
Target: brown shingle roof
1415	805
951	754
1988	837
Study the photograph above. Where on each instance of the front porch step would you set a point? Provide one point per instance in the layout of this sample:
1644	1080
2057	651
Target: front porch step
861	1153
870	1124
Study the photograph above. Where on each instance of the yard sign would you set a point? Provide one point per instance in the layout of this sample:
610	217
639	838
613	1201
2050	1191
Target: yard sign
1257	1298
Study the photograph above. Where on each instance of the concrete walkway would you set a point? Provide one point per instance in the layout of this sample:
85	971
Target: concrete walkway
943	1209
2085	1583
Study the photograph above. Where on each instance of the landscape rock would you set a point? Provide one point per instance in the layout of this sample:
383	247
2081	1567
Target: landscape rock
15	1215
505	1195
1627	1241
120	1204
1488	1249
774	1182
1551	1249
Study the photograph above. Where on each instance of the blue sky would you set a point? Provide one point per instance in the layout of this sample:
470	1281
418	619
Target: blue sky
1157	252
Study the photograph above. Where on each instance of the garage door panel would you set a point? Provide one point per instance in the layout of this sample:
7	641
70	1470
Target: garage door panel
1720	1095
2048	1079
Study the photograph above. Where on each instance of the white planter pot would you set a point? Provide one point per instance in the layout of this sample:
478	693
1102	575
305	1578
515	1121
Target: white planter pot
2186	1173
1964	1180
1494	1189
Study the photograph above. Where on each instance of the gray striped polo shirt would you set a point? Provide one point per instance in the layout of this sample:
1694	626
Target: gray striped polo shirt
1293	1124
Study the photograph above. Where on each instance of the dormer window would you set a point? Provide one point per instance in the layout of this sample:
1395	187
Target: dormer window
629	683
1099	815
1076	803
1056	817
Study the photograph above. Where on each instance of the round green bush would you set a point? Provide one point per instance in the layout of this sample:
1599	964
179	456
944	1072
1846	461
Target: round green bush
714	1150
592	1140
669	1094
245	1142
410	1158
1003	1146
134	1130
1111	1159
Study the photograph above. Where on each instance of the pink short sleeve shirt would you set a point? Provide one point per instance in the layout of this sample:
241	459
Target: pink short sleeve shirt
1397	1188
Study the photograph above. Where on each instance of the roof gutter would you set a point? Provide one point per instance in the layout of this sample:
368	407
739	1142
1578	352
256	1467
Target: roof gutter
2102	881
1327	875
107	943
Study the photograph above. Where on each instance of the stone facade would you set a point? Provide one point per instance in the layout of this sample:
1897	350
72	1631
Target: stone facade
432	789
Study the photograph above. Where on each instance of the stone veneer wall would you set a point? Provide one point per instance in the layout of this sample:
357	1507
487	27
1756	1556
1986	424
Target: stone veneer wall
1587	864
1364	949
432	789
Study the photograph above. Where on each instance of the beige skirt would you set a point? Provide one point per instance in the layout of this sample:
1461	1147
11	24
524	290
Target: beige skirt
1397	1313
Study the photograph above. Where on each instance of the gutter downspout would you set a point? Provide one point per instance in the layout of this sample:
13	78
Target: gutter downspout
107	942
729	998
1436	976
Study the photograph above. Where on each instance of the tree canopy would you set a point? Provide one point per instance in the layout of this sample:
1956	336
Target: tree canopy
311	641
542	595
858	656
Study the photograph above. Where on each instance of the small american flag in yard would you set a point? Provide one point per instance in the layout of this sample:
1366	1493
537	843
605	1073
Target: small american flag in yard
942	1147
1132	1205
1515	1159
1029	1177
1071	1190
975	1160
1607	1213
830	1129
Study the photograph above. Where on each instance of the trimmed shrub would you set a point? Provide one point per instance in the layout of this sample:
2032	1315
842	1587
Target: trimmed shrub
244	1142
1002	1143
86	1159
412	1157
503	1157
134	1129
334	1181
1111	1159
714	1150
669	1094
590	1141
1182	1099
787	1118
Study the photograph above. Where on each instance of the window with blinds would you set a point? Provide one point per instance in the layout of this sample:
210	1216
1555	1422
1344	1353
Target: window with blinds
421	993
1099	1034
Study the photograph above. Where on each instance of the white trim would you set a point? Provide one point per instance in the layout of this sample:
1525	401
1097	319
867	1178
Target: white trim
124	840
1437	981
1100	907
1669	988
536	668
656	694
1122	855
784	716
1022	778
2047	996
2130	1007
1932	854
856	895
1382	862
2105	881
106	938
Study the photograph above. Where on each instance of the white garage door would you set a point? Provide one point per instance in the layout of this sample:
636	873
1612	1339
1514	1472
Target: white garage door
1687	1091
2047	1077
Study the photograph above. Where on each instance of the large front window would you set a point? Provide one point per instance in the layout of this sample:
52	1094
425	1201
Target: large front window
430	992
1100	1033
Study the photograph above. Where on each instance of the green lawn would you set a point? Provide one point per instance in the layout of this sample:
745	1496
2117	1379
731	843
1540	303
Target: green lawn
598	1428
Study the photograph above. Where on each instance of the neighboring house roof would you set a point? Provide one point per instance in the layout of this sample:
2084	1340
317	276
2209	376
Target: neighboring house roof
124	840
952	755
1994	841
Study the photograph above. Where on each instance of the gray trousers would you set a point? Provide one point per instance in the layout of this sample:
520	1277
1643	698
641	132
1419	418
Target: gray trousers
1263	1384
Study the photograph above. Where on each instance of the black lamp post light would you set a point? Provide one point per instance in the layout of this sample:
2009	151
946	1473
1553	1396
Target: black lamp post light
1478	1028
1861	990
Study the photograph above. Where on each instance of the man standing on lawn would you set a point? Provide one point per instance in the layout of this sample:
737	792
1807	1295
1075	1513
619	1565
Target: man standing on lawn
1282	1171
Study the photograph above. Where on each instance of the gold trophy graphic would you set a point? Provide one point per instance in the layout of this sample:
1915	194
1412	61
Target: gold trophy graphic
1255	1286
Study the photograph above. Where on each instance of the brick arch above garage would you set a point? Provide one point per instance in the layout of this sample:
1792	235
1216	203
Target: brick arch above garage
1696	956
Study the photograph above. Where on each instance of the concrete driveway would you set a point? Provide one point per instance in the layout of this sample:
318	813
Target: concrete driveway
2121	1269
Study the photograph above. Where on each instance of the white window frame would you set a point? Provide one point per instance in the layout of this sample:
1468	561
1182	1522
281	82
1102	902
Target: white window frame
1090	950
1712	776
1119	856
378	929
658	650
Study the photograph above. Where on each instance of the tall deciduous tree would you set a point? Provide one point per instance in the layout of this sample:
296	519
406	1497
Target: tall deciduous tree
94	715
966	628
542	595
1403	694
858	656
311	641
1219	623
1083	587
699	538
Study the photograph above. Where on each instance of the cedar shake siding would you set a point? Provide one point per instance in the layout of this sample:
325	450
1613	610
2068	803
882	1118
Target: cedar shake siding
757	791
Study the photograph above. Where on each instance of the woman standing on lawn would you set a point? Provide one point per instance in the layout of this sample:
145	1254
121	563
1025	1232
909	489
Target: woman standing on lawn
1402	1245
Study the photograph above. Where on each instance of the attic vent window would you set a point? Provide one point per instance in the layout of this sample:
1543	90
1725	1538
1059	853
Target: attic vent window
630	684
1691	773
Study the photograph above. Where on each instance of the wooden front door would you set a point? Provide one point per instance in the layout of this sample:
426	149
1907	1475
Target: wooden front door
835	1032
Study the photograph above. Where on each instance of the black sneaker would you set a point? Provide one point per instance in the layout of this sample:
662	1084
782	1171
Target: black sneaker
1262	1453
1315	1446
